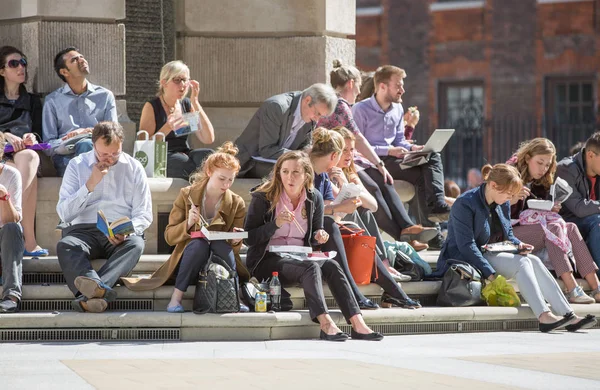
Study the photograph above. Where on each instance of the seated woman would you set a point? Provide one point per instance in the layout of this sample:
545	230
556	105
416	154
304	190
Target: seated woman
327	147
481	216
391	216
163	114
536	162
21	123
209	196
345	172
278	207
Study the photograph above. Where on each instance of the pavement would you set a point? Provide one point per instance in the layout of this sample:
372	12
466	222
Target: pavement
528	360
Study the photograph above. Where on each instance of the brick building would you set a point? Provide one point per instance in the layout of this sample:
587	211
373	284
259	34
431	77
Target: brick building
499	71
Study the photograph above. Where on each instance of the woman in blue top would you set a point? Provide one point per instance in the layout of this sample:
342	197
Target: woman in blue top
481	216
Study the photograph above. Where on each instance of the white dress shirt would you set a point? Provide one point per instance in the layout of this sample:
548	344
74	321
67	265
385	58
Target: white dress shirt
122	192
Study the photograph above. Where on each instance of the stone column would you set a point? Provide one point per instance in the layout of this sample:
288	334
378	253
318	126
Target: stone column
244	51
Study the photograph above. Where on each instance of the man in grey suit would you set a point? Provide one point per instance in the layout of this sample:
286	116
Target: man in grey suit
282	123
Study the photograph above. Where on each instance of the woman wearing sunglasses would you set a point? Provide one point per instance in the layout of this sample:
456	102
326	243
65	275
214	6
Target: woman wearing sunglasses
21	123
164	114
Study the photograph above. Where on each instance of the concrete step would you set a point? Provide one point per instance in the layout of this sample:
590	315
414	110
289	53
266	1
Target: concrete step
63	326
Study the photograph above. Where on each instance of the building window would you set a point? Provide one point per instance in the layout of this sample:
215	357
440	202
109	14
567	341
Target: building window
461	108
570	111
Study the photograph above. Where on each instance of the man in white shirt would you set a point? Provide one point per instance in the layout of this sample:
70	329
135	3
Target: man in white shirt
12	243
109	180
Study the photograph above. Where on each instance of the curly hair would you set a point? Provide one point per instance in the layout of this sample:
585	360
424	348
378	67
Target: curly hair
223	158
536	147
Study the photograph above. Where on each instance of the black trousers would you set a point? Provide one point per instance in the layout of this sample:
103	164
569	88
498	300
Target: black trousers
382	277
194	259
428	180
84	242
182	165
310	275
391	216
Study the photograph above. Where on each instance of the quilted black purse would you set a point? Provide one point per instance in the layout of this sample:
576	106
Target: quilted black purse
215	295
461	285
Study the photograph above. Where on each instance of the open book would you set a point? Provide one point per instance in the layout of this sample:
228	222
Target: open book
122	226
213	236
559	192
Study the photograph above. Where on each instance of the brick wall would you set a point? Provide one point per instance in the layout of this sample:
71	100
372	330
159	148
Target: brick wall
150	43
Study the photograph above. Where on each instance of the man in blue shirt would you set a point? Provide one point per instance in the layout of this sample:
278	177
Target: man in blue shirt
381	120
74	109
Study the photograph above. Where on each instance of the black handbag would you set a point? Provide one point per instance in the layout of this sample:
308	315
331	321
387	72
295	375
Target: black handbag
461	286
404	264
215	295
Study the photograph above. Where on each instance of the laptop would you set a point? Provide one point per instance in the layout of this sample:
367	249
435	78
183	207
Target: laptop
436	142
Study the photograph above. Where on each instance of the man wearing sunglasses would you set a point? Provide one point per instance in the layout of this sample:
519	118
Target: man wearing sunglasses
74	109
283	122
109	180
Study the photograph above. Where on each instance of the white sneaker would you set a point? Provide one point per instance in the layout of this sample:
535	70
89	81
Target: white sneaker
578	296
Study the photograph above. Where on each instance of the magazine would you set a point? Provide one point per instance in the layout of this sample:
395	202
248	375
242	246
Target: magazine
122	226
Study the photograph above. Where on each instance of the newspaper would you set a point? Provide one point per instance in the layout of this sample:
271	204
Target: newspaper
348	191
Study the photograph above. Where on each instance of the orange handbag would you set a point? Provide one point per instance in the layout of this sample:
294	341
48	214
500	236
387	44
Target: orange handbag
360	251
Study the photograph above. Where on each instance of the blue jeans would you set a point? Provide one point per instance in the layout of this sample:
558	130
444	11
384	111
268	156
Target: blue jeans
590	230
61	161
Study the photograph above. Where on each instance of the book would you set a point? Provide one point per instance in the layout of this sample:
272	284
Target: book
214	236
122	226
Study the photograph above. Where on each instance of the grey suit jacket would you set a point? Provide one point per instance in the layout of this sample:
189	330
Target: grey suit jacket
268	129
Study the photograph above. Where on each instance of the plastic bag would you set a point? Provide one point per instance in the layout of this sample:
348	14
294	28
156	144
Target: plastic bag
500	293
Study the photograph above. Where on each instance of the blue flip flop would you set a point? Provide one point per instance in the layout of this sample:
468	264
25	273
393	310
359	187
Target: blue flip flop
175	309
38	253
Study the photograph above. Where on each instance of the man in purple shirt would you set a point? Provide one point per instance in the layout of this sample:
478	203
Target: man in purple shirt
381	120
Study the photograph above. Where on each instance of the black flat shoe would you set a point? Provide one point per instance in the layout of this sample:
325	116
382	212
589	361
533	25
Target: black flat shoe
367	304
340	336
545	328
585	323
387	301
374	336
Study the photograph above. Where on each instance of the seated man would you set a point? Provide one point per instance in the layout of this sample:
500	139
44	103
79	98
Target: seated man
282	123
583	206
12	243
74	109
381	120
109	180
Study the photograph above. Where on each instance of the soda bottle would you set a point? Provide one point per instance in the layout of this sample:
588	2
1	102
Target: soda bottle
275	292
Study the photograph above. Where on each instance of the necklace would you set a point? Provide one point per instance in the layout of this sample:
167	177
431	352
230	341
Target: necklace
169	108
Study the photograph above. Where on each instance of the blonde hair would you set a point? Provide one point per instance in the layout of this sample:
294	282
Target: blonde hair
169	71
536	147
341	74
384	74
274	187
325	142
223	158
505	176
346	134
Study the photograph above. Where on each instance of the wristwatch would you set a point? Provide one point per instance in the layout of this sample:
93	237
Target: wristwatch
5	197
380	163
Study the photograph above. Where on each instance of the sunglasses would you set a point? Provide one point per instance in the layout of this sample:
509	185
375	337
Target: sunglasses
15	63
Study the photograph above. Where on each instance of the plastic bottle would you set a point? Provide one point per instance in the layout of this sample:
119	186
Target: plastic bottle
275	292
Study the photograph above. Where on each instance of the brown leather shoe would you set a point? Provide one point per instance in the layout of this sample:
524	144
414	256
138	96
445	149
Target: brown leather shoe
418	245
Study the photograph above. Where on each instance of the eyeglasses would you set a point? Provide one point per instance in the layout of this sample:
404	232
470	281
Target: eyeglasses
15	63
179	80
113	156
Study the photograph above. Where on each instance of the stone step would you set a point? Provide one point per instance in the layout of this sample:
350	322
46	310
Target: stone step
64	326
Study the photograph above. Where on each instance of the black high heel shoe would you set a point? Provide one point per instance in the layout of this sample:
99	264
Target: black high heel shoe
388	301
545	328
373	336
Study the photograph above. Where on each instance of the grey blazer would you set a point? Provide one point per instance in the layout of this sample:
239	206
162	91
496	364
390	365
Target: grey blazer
268	129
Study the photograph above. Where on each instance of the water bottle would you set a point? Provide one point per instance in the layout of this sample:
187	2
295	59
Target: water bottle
275	292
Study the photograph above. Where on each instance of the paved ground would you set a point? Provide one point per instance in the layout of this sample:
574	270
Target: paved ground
455	361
